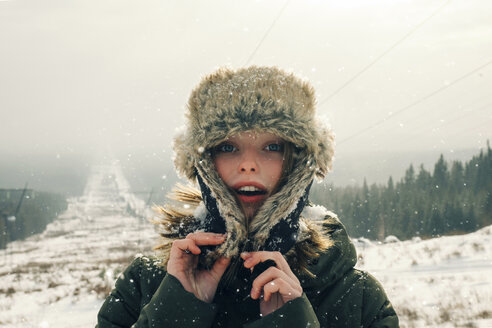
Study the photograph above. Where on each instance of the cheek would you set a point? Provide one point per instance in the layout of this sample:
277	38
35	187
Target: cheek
275	170
223	167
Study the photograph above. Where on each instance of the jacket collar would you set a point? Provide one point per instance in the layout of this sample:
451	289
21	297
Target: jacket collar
322	247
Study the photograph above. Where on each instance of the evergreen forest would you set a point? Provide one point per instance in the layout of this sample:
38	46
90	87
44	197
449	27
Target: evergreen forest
27	212
454	198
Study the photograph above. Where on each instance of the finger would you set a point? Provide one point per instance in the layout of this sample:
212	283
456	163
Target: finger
268	276
253	258
282	287
180	246
206	238
219	267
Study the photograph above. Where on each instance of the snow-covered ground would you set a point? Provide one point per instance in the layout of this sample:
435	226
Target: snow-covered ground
440	282
60	277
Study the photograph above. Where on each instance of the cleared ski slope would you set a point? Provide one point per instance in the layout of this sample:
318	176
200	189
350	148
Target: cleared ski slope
59	278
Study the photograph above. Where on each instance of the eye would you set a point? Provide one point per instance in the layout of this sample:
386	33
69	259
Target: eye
225	148
275	147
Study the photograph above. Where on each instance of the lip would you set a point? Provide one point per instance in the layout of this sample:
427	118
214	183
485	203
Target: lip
251	183
250	199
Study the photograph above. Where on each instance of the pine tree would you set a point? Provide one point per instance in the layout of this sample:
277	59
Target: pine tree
424	179
446	201
409	178
440	177
457	176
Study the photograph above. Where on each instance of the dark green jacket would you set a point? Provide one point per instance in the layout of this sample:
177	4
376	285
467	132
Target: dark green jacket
339	296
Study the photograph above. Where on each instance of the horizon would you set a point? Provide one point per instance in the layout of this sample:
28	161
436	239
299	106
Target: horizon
148	172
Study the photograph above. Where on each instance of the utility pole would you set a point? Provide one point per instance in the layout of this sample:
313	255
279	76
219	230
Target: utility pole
20	200
11	220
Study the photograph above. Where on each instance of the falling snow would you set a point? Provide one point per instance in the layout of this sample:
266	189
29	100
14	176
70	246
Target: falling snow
65	272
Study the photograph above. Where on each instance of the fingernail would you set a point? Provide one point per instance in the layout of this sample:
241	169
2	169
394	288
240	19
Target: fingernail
245	255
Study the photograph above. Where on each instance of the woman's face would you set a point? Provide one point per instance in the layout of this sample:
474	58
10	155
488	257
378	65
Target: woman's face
250	164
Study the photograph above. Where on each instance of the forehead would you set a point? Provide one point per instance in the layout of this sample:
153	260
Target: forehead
254	135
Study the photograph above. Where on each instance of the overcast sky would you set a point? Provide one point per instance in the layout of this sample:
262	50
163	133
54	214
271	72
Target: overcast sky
80	76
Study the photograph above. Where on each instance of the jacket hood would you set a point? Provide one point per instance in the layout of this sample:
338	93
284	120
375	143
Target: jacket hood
335	260
263	99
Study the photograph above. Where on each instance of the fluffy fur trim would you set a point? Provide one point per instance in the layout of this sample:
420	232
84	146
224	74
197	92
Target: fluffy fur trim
175	222
256	98
264	99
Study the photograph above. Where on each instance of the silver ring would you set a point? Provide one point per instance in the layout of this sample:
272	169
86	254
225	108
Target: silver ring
187	251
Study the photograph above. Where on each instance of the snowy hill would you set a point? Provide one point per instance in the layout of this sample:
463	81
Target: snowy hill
440	282
63	274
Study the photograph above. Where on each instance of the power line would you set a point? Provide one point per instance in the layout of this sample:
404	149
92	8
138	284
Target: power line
422	123
473	128
473	111
407	140
461	129
384	53
415	103
266	33
444	110
464	129
425	127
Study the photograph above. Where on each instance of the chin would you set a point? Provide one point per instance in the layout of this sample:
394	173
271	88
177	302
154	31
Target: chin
250	211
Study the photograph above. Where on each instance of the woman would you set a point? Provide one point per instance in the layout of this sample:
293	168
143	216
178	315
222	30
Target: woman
249	249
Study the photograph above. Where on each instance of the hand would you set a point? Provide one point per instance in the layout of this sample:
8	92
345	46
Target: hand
183	261
277	285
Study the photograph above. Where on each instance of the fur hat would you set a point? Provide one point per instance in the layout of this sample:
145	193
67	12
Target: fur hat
264	99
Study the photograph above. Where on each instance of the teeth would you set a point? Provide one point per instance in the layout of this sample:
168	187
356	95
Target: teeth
249	188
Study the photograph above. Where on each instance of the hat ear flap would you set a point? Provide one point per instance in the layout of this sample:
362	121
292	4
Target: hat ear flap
325	151
182	160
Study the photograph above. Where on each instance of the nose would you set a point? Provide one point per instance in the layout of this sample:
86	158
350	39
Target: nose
248	164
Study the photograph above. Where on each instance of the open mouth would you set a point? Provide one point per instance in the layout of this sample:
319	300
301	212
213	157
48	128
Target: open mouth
250	191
